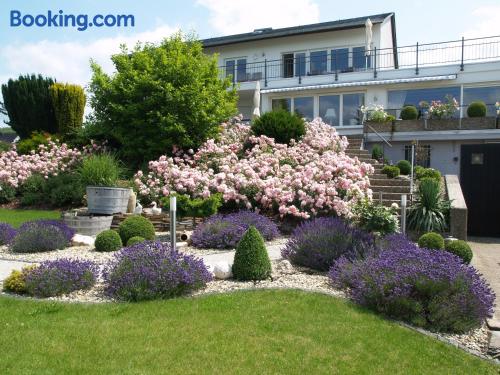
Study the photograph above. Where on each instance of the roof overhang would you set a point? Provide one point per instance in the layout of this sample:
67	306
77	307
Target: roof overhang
361	83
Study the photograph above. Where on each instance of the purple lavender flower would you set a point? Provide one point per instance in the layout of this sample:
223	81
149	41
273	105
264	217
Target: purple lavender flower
428	288
61	276
225	231
152	270
7	233
320	242
67	231
37	236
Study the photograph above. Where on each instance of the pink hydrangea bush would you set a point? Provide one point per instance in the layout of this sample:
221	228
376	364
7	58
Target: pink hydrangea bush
306	178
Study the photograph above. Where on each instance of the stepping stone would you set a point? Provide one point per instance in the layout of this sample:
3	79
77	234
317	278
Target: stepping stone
493	324
494	346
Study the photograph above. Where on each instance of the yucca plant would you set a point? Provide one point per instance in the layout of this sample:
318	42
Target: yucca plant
429	212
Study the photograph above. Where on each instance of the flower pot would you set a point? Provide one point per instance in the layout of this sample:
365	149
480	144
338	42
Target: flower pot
86	224
107	200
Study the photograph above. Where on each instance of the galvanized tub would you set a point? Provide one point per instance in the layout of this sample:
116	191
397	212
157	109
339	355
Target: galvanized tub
87	224
107	200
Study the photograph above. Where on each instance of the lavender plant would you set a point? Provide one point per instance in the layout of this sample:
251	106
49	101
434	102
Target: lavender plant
152	270
65	229
39	236
61	276
7	233
427	288
320	242
225	231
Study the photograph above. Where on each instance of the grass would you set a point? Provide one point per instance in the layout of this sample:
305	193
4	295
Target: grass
17	217
259	332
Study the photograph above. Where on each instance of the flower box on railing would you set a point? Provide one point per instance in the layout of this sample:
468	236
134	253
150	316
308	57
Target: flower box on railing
476	123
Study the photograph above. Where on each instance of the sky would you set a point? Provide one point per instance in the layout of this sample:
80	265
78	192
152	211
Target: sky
64	52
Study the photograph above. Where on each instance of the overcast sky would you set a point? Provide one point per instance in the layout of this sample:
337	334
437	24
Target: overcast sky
64	53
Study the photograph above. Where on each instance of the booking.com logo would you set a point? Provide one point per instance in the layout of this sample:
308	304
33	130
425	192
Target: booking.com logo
81	21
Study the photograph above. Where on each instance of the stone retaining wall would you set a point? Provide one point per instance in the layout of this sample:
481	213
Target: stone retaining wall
458	210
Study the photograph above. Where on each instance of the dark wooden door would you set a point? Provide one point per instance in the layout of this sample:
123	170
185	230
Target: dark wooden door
480	181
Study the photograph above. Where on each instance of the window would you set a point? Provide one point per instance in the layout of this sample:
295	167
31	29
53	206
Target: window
288	65
340	60
489	95
285	103
422	155
329	109
398	99
241	70
318	62
300	64
304	107
230	67
359	59
351	109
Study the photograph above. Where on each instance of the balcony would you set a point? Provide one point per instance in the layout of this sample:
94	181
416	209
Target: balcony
299	68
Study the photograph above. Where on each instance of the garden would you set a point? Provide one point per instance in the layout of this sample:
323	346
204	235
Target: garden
274	212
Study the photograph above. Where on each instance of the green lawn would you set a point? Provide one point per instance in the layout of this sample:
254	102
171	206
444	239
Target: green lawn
17	217
263	332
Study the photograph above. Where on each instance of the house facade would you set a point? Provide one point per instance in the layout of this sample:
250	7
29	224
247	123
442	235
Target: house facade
331	69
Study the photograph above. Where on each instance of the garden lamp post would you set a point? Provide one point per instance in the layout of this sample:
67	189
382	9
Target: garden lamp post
403	213
173	234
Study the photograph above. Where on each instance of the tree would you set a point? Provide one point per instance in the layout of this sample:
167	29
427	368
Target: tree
27	102
68	102
160	97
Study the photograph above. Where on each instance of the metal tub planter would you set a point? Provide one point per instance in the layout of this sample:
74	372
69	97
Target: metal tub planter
107	200
87	224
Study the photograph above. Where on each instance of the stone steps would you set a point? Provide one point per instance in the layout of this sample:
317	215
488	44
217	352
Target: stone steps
384	181
400	189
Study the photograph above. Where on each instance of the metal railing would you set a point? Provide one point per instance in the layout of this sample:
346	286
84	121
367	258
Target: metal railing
336	61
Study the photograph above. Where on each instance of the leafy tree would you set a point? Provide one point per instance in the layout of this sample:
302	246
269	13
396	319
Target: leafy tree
26	101
160	96
68	102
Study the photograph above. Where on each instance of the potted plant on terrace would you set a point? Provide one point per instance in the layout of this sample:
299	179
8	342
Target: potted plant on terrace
378	118
100	174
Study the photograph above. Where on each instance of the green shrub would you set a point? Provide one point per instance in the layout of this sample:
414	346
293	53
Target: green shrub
391	171
4	146
33	191
100	170
409	112
16	281
476	109
36	139
134	226
376	218
68	102
7	193
280	125
251	261
431	240
194	207
421	173
377	152
459	248
135	240
404	167
109	240
429	212
65	189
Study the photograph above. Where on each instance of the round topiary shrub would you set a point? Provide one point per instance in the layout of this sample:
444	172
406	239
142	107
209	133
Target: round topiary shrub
251	261
136	226
320	242
427	288
39	236
409	112
225	231
459	248
281	125
61	276
135	240
151	270
108	240
476	109
391	171
7	233
432	241
404	167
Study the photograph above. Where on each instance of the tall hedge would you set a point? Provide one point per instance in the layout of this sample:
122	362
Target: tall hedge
26	101
68	102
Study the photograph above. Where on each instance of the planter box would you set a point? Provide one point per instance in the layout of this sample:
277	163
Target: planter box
86	224
476	123
107	200
380	127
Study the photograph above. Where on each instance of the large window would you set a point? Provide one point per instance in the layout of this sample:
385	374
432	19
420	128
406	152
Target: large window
329	109
319	62
340	60
241	70
230	68
400	98
489	95
422	155
351	109
359	60
284	103
304	107
300	64
288	65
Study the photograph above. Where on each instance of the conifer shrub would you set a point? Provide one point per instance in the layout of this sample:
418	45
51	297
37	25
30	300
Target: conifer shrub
251	261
